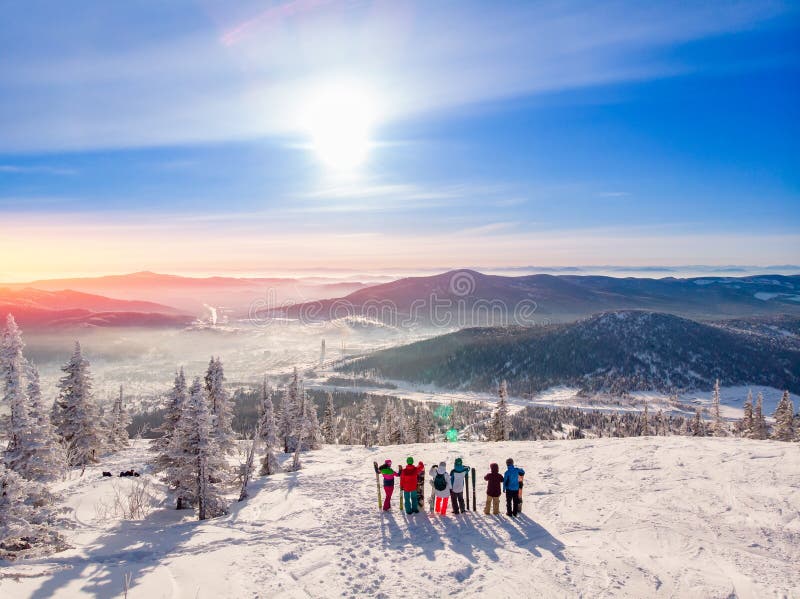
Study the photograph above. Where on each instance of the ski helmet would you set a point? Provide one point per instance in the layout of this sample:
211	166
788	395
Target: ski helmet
409	460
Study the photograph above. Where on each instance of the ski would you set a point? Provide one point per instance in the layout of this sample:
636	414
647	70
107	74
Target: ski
466	488
401	496
473	490
521	479
378	483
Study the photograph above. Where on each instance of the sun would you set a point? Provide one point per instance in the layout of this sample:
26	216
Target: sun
339	119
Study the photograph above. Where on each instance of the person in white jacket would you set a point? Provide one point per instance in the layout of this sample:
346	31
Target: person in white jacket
440	481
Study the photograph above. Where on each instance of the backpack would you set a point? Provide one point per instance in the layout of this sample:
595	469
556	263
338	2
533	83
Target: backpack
439	483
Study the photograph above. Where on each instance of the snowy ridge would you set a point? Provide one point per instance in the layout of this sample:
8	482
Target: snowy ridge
657	516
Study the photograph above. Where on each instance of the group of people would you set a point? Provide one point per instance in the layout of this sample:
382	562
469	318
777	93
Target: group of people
448	488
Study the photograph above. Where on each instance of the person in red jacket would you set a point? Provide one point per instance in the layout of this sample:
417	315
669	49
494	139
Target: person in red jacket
493	489
408	483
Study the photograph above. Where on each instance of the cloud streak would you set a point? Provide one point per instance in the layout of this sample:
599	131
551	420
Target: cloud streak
244	78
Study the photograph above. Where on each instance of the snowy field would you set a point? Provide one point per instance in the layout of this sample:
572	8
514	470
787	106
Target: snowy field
636	517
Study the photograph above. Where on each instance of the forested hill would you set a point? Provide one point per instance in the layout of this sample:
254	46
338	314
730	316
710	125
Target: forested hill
615	351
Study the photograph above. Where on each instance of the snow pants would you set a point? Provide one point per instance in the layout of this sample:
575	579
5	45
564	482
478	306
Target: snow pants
512	502
458	501
387	503
441	505
410	500
492	502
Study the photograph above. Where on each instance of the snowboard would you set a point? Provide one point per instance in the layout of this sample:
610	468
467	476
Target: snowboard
473	490
378	484
421	490
433	494
521	479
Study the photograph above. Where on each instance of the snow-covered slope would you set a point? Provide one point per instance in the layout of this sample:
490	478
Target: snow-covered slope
636	517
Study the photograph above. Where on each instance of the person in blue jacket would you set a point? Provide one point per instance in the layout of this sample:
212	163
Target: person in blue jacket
511	487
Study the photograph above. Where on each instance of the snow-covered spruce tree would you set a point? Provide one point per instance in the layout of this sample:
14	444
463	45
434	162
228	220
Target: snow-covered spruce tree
268	432
759	420
783	430
11	366
220	406
78	418
500	421
196	463
718	428
120	419
746	424
645	422
366	419
38	456
397	433
176	402
698	427
290	412
25	520
266	417
329	421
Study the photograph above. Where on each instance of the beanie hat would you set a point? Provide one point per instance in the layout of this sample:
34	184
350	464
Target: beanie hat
409	460
509	462
458	461
388	462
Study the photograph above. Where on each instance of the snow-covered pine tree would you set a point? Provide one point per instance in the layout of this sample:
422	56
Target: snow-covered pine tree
26	518
220	407
38	456
196	463
329	420
11	367
77	415
500	422
314	435
366	417
266	415
759	420
746	424
120	419
398	431
287	425
645	421
210	502
718	428
176	401
698	428
783	430
301	433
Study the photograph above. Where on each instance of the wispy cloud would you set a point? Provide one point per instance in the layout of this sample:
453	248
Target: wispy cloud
245	78
16	169
614	194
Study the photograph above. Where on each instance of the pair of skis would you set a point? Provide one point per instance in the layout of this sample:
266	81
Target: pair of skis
474	500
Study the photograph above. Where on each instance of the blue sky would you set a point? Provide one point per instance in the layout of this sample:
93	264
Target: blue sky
171	136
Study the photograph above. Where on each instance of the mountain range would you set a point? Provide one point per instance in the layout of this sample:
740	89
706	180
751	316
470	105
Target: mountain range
469	298
614	351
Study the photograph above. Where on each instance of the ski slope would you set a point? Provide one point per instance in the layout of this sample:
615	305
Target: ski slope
636	517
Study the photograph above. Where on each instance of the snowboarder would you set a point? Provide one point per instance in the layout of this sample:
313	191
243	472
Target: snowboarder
493	489
408	484
388	482
441	487
511	487
457	476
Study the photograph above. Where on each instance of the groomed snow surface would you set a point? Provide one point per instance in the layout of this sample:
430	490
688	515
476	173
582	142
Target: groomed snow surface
637	517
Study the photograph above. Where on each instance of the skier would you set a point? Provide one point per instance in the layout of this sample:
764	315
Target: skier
408	484
441	487
493	489
457	476
511	487
388	482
